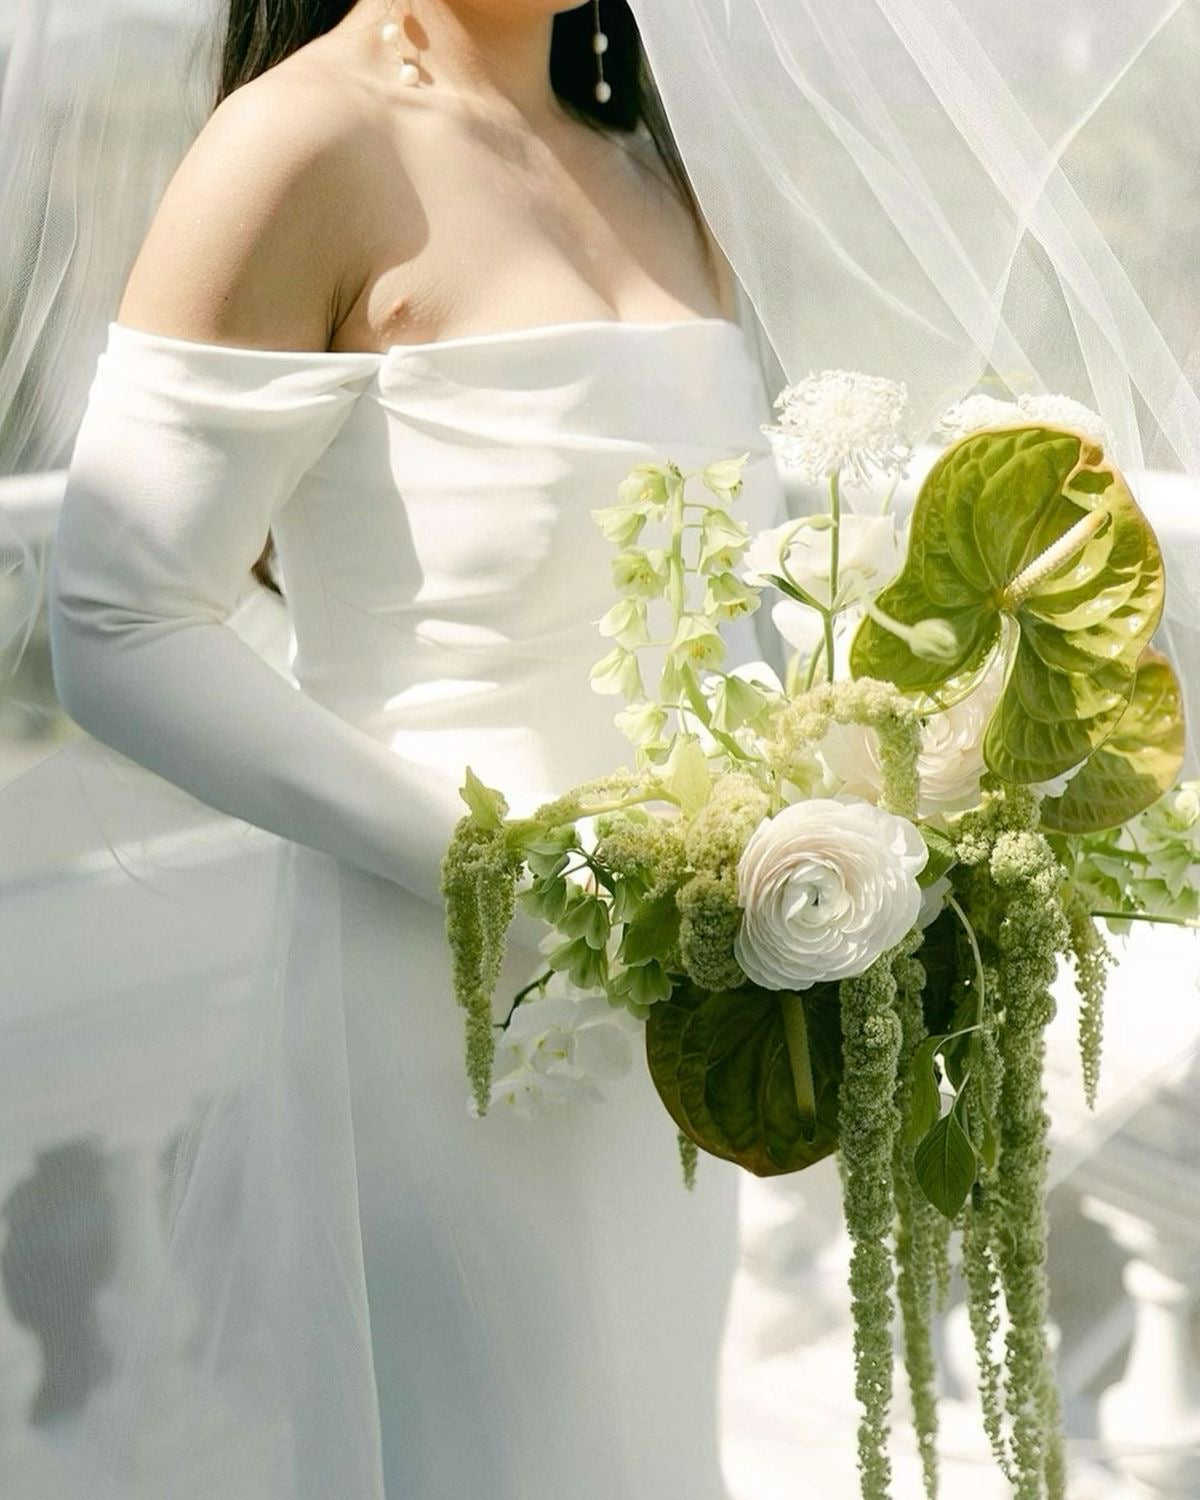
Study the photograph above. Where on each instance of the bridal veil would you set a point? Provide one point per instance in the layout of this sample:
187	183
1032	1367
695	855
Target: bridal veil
952	193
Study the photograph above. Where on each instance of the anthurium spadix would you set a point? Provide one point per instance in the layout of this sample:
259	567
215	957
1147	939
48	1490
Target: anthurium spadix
1025	540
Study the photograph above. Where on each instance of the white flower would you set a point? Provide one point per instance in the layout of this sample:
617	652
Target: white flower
1062	411
826	886
933	901
767	550
977	412
800	626
950	764
974	413
840	422
868	556
559	1045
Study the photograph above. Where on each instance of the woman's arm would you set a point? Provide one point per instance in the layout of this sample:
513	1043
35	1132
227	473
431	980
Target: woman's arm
186	450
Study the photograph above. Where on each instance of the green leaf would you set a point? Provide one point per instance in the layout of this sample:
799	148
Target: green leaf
943	855
586	918
653	932
628	892
586	966
946	1165
794	591
1073	623
645	985
546	899
546	854
487	805
926	1095
719	1060
1139	761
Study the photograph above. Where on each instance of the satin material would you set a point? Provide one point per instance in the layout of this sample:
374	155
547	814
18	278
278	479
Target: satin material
386	1299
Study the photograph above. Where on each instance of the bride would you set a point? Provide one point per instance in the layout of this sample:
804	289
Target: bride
423	290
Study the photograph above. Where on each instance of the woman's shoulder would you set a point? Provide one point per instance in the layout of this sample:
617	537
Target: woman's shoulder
252	241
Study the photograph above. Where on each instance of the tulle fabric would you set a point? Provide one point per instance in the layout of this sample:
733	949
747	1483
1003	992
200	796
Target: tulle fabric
950	192
929	190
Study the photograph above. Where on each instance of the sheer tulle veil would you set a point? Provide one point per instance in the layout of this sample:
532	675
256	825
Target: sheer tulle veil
951	193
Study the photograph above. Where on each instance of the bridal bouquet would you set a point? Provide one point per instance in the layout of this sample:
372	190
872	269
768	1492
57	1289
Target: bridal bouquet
837	903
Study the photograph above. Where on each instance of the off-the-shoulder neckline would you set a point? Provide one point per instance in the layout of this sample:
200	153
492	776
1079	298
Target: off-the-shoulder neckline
468	340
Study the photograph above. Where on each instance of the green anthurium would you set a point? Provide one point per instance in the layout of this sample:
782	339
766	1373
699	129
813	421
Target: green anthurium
719	1060
1138	762
1025	540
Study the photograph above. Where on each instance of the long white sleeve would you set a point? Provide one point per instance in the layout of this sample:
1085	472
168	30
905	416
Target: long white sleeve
185	452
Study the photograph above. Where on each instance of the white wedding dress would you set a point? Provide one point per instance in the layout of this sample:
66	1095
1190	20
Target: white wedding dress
381	1297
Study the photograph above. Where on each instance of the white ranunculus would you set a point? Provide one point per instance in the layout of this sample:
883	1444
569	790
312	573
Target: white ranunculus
869	556
950	764
826	886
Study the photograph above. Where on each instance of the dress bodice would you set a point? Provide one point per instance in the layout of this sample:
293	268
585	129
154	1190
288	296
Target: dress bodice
443	567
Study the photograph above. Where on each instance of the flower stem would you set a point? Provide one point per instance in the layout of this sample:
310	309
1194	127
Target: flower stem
795	1029
1145	916
835	516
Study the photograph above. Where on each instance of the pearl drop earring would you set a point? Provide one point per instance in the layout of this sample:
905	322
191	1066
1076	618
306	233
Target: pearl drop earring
600	47
393	36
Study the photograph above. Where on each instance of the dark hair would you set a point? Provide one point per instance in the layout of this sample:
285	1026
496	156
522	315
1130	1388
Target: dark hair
261	33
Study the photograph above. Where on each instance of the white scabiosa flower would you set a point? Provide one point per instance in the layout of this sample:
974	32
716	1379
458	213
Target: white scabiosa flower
977	412
826	886
974	413
840	422
1062	411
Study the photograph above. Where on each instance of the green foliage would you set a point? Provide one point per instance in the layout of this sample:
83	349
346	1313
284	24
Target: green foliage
689	1157
806	720
946	1164
919	1243
709	920
1012	891
1135	765
943	855
488	807
1027	540
869	1125
719	1060
1150	868
478	879
1092	958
